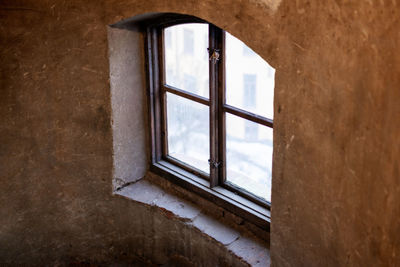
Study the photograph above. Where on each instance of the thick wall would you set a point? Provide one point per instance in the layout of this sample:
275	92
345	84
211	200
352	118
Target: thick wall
131	144
336	180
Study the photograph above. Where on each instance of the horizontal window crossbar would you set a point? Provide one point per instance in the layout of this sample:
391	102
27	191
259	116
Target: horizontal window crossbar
248	115
191	96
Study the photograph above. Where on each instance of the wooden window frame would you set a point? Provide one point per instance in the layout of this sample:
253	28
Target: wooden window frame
213	187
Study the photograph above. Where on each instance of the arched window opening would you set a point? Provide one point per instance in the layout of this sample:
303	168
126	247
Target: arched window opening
211	110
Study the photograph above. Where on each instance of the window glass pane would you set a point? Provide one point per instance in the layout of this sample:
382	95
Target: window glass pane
249	155
249	79
188	131
186	57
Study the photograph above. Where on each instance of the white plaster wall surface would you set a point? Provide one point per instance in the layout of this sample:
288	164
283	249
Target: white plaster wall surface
129	109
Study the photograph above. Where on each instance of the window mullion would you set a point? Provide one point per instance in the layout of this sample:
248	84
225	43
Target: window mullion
221	113
163	97
155	100
214	50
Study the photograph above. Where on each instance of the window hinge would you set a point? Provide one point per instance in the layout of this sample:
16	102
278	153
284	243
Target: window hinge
214	55
214	164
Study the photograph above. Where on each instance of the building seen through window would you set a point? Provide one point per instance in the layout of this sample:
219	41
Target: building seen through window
188	41
249	90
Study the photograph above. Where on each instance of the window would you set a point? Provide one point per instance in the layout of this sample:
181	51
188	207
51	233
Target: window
249	86
211	109
188	41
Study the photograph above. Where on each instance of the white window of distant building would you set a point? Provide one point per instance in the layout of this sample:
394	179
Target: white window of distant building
188	41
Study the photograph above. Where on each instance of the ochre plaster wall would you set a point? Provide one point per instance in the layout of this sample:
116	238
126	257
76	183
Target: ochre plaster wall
336	178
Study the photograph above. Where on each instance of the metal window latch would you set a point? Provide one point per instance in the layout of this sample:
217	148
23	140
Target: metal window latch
214	55
214	164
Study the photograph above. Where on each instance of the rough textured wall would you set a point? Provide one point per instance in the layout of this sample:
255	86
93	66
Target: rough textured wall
336	187
56	205
336	184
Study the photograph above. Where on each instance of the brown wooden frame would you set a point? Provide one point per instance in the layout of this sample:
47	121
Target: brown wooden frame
161	161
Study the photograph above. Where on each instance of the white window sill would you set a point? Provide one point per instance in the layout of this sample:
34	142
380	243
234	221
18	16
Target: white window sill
243	245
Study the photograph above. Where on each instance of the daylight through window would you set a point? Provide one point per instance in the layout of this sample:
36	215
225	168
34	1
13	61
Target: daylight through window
213	108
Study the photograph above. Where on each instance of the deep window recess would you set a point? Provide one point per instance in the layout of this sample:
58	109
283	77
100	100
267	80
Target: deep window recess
211	110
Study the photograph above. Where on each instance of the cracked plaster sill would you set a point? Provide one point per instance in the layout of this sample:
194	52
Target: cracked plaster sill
251	251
